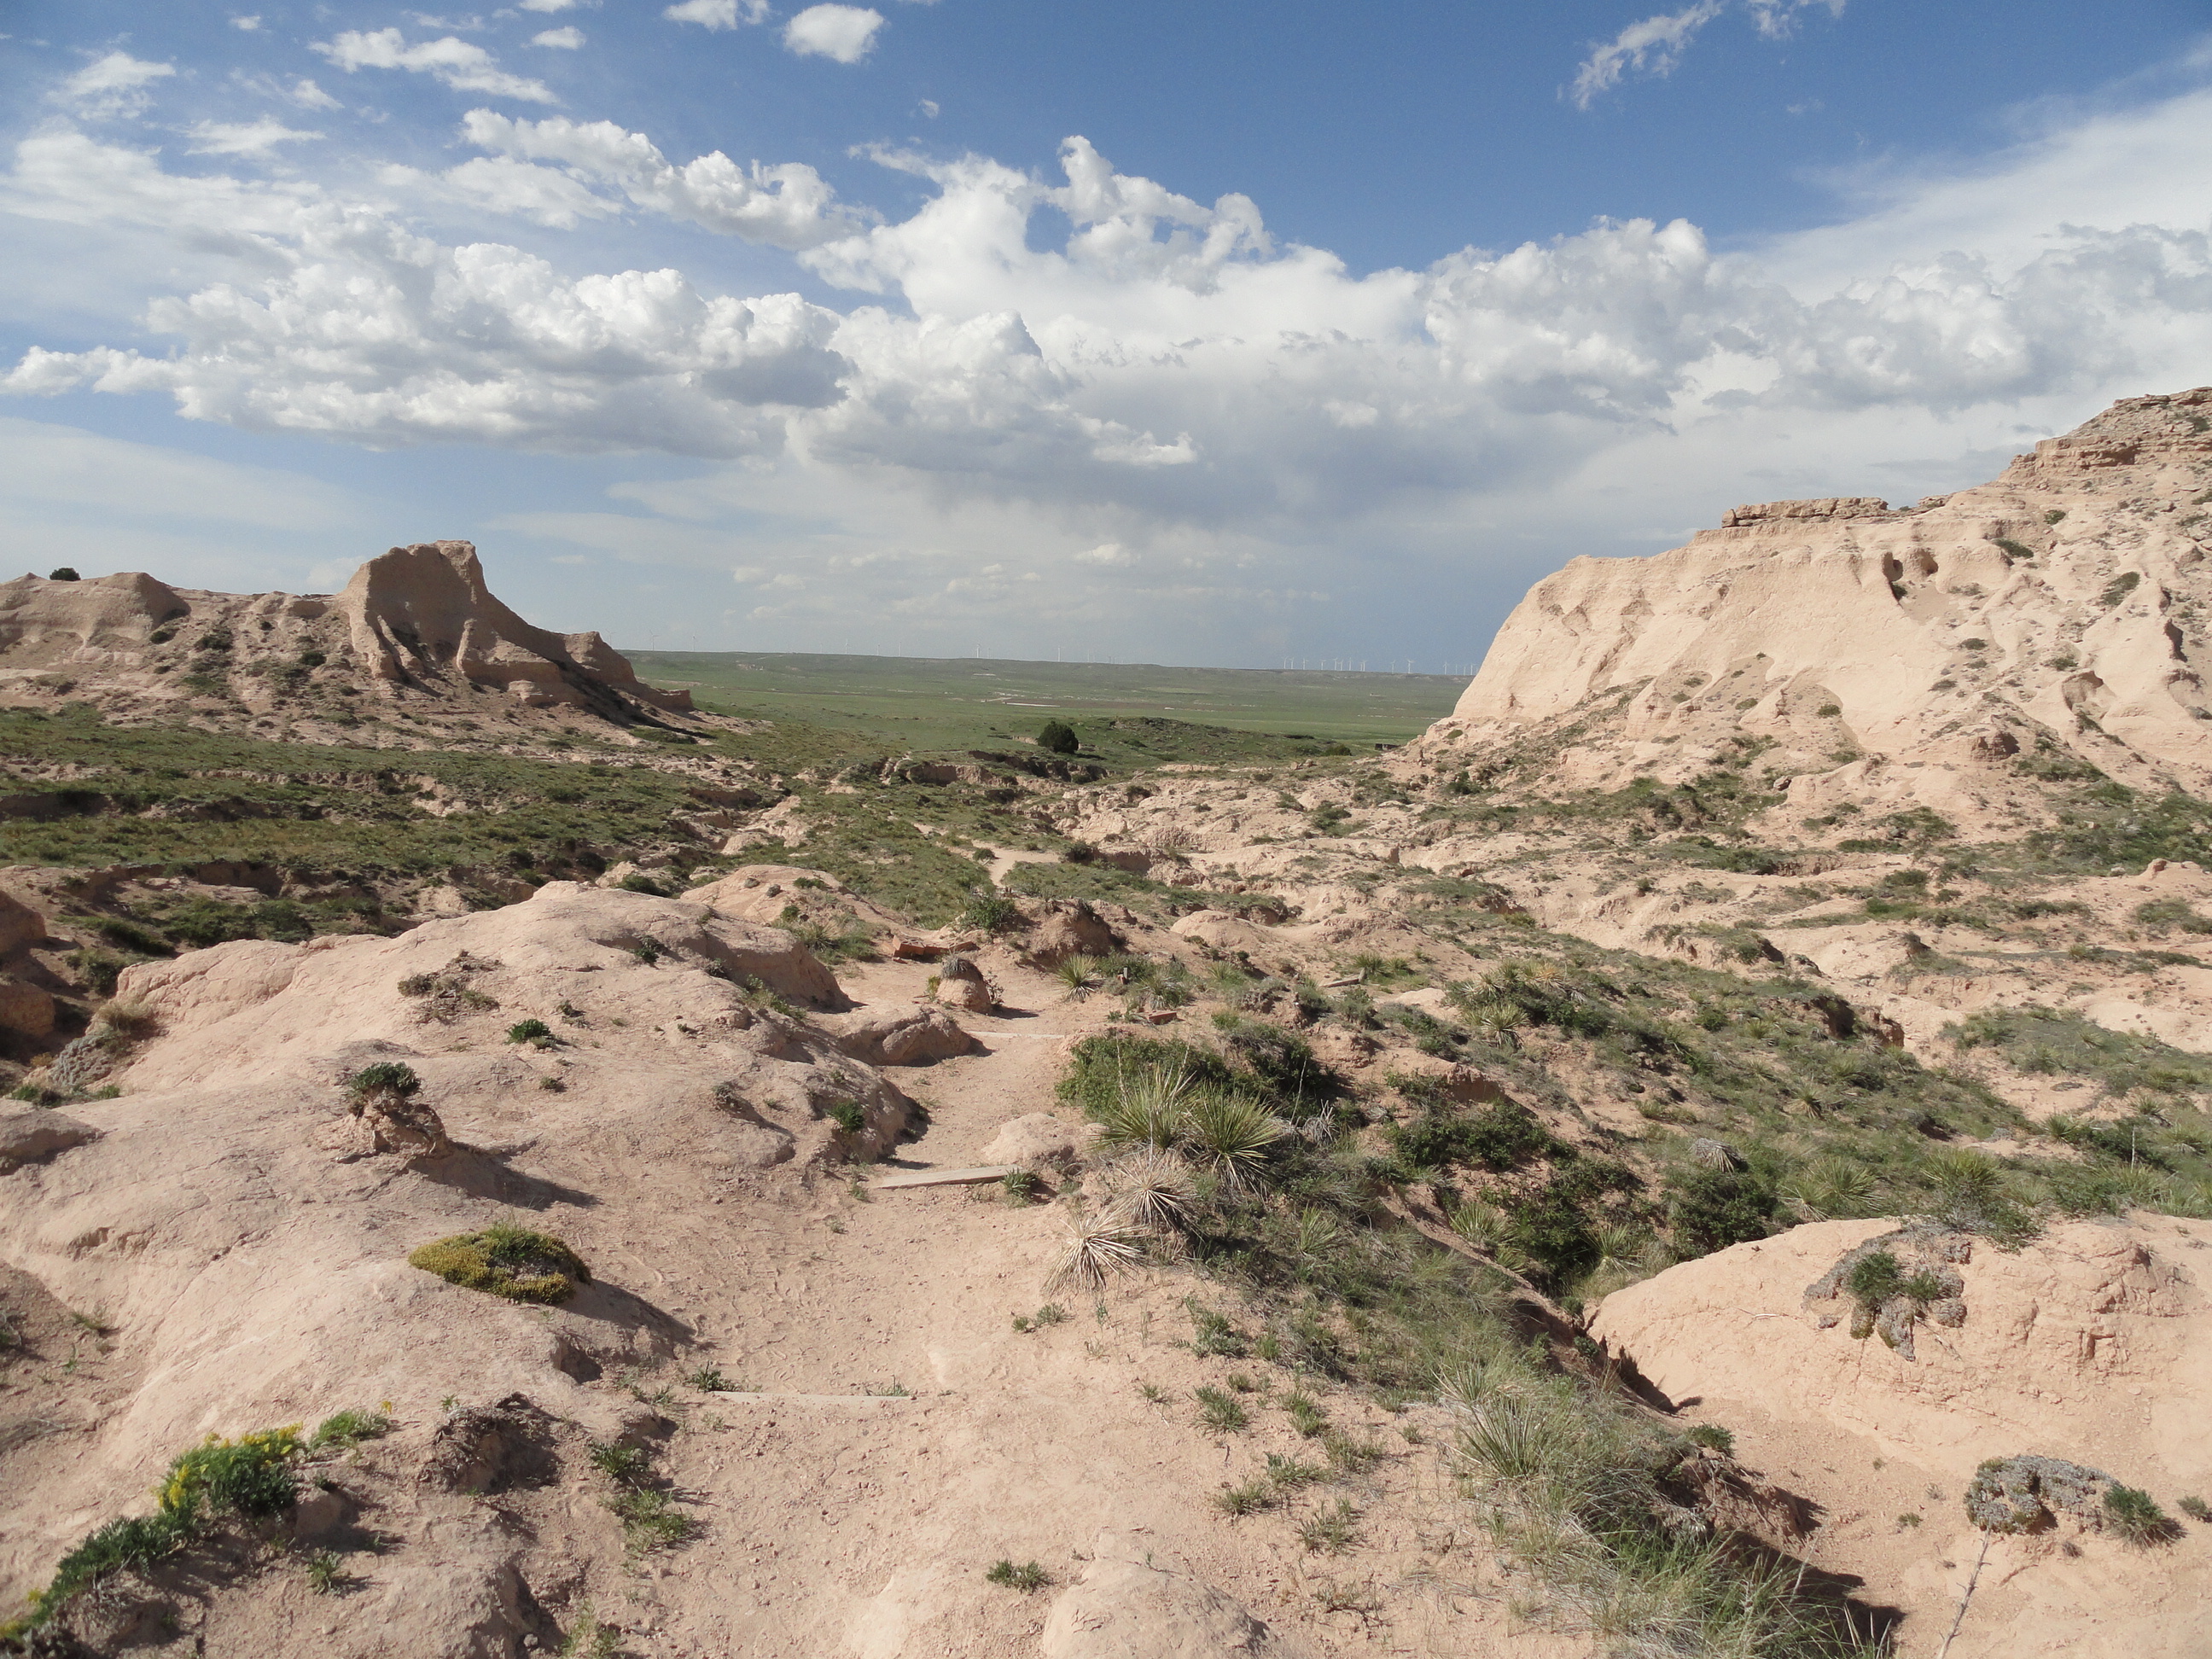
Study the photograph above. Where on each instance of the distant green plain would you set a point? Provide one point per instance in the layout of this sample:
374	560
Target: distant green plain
958	702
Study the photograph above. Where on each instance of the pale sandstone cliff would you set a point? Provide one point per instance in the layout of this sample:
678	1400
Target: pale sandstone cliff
2065	599
415	625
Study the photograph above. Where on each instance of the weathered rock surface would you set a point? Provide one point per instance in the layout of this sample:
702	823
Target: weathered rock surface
425	610
1036	1141
1127	1608
2061	603
416	623
27	1136
2091	1344
1069	928
904	1036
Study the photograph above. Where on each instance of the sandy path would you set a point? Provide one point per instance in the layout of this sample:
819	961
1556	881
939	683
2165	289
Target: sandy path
864	1526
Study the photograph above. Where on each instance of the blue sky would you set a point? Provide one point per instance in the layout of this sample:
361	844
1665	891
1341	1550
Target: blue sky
1220	334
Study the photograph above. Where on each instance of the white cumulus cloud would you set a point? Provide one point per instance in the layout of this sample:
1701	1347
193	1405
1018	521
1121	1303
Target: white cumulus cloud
459	63
568	39
785	206
842	33
718	14
114	85
1158	394
249	24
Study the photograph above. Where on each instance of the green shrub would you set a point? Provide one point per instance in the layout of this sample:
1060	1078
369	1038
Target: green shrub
1058	737
1712	1209
2135	1516
98	970
64	572
342	1430
508	1261
847	1114
250	1476
1028	1577
993	912
1499	1137
535	1031
391	1077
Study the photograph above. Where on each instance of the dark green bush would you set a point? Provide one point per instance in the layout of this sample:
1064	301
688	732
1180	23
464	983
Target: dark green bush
1712	1209
1058	737
64	572
1500	1137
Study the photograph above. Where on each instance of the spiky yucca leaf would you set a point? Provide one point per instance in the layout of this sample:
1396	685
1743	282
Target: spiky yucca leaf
1148	1109
1480	1225
1154	1189
1231	1135
1097	1246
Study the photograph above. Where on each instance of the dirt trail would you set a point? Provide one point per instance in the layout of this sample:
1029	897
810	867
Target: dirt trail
864	1526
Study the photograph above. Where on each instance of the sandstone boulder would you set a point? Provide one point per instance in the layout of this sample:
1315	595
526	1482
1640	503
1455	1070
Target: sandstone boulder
1036	1141
960	984
25	1010
905	1036
31	1136
1068	929
20	926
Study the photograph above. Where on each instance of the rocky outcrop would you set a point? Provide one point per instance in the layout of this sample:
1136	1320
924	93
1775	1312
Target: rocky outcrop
417	624
2061	605
424	611
906	1036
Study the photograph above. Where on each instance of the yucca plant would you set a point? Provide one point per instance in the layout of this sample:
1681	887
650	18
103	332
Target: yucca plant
1231	1135
1153	1187
1148	1109
1079	974
1317	1235
1829	1190
1480	1225
1097	1246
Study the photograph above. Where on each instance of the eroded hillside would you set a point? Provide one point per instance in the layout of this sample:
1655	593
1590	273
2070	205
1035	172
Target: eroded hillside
1570	1184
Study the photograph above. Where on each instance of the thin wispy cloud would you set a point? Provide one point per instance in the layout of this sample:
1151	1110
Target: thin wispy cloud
252	138
114	85
461	65
1655	45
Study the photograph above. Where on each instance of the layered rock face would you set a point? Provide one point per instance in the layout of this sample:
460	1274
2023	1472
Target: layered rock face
415	622
424	610
2063	604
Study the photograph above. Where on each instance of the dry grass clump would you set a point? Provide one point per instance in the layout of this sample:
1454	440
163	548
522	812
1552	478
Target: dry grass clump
513	1262
1097	1246
1602	1507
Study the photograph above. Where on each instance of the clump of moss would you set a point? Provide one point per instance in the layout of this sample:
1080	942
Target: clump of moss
514	1263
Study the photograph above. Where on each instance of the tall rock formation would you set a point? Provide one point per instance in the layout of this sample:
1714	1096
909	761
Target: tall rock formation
2062	605
416	626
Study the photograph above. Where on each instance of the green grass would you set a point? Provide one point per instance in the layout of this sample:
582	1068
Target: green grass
323	808
1026	1577
937	703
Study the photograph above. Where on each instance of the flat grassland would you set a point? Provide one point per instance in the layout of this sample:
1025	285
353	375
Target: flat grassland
958	702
